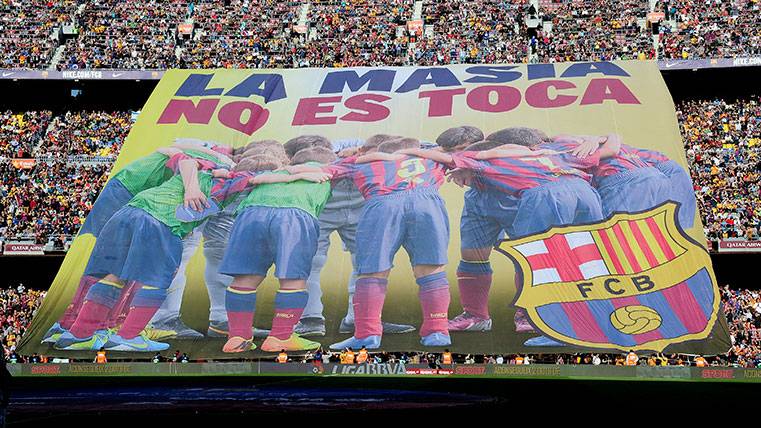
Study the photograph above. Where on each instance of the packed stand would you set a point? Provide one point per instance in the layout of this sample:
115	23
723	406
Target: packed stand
27	31
17	307
491	31
743	311
723	143
48	202
86	134
593	30
52	168
356	33
20	132
126	35
702	29
242	34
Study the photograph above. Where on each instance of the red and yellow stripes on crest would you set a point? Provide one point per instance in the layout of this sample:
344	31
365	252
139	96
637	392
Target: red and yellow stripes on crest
633	246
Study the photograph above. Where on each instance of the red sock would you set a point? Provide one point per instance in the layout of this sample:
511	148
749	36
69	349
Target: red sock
474	293
434	301
137	319
90	318
369	296
120	311
289	305
75	307
474	281
240	304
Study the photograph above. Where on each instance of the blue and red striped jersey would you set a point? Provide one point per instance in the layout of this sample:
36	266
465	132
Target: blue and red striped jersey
513	175
380	178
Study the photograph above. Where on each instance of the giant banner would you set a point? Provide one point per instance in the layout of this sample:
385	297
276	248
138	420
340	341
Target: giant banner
475	208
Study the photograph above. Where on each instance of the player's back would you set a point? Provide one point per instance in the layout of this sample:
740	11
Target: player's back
513	175
381	178
305	195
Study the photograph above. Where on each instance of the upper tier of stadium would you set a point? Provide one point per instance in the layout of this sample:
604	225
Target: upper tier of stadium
158	35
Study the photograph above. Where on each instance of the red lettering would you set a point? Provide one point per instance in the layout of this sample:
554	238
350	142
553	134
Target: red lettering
231	115
309	108
600	90
507	98
200	113
373	112
538	94
440	103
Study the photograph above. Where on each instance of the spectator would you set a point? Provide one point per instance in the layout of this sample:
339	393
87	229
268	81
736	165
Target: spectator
743	311
594	30
702	29
723	142
17	307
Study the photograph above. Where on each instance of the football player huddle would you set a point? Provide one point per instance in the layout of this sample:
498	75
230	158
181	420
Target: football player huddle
277	204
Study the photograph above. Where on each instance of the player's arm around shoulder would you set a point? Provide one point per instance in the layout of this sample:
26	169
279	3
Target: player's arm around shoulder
377	156
434	155
611	146
315	177
194	197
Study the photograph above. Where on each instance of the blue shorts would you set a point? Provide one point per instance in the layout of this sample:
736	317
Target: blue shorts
262	236
570	200
632	191
681	191
415	219
112	198
485	217
135	246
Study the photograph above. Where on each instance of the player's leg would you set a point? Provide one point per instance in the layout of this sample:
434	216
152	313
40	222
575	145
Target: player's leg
312	322
106	263
152	264
426	241
290	301
479	232
166	324
379	236
216	234
348	233
88	331
72	310
247	258
240	304
294	237
434	298
111	199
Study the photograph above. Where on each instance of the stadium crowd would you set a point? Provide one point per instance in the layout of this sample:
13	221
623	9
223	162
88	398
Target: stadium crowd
48	202
52	168
17	307
743	311
723	142
336	33
27	31
473	32
599	30
20	132
240	35
710	29
742	308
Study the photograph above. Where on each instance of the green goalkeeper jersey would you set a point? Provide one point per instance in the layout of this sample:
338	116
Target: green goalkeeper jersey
161	202
151	171
305	195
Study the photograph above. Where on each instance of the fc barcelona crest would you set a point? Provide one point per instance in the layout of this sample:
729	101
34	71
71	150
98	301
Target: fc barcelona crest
635	281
